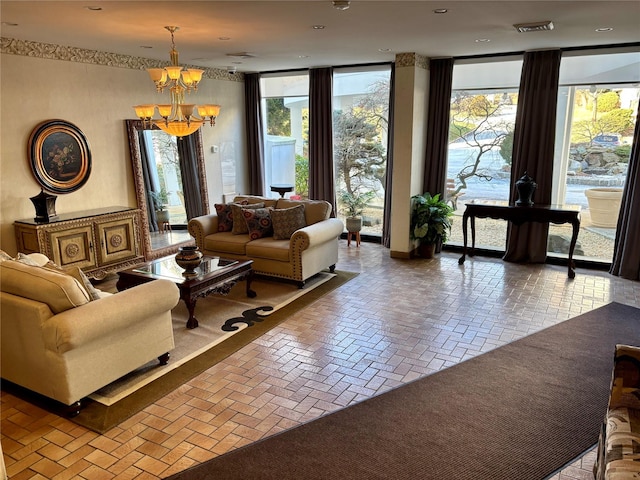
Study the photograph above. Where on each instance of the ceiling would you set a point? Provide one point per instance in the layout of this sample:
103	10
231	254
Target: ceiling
279	35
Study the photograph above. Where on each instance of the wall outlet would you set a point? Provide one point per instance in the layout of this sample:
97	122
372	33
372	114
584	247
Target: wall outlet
215	149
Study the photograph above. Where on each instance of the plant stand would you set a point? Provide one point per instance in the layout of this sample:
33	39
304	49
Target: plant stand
357	237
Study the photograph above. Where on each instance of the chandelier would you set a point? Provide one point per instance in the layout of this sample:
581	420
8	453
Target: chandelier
178	118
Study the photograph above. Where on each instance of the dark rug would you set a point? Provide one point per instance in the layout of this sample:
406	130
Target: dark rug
521	411
101	418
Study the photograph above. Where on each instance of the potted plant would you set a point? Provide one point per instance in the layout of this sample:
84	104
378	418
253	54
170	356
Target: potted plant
160	199
353	205
430	222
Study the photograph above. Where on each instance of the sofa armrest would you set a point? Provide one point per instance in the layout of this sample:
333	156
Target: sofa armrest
81	325
317	233
625	383
200	227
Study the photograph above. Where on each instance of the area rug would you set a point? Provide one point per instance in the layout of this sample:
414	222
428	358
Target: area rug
198	349
519	412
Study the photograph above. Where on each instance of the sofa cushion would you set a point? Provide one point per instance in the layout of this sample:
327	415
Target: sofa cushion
258	222
226	242
314	210
239	223
57	289
287	220
269	248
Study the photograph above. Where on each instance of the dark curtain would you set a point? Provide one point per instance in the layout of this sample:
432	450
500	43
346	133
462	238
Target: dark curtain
533	145
321	177
626	250
187	146
388	174
148	180
255	147
440	84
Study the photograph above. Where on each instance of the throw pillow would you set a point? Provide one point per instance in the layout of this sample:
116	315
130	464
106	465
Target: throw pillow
4	256
225	215
79	275
286	221
239	224
258	222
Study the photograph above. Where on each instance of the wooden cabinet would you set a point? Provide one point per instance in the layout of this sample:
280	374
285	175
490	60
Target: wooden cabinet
99	241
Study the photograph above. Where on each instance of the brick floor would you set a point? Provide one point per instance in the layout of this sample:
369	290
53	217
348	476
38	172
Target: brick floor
397	321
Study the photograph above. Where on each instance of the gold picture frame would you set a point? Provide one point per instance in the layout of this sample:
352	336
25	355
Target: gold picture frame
60	156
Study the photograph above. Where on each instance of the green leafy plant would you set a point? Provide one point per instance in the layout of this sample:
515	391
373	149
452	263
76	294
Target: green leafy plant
354	203
159	198
430	218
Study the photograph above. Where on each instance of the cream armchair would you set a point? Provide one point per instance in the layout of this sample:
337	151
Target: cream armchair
58	342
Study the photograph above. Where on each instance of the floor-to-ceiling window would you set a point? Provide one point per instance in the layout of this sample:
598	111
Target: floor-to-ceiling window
597	105
285	103
360	135
482	118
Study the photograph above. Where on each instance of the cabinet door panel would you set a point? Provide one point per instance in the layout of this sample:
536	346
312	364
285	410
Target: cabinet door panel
73	247
117	240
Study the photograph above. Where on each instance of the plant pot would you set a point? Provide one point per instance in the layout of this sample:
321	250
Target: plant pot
427	250
162	217
604	206
354	224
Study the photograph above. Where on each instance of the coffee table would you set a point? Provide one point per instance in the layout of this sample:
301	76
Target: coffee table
214	275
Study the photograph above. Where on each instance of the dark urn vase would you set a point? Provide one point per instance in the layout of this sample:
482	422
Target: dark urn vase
525	186
189	258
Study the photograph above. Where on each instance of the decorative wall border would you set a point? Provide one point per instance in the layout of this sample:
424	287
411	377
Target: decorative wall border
412	60
51	51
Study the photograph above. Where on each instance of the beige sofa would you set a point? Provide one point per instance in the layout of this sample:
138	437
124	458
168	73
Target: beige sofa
59	342
310	249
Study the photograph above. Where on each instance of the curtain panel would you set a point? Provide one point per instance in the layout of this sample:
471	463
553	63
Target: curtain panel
255	135
321	176
626	250
388	177
533	147
438	115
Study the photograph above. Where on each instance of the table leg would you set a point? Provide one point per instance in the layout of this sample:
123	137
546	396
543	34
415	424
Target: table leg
574	239
191	307
473	236
465	217
250	293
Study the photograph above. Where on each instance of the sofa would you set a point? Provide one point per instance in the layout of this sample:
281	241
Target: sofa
64	339
287	239
618	453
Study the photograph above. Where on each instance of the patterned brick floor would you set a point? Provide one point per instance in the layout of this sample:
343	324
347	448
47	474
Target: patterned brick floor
397	321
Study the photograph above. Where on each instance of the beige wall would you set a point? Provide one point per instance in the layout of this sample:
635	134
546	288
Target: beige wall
97	99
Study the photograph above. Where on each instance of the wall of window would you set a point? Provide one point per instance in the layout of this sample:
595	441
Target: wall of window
597	107
360	136
285	107
482	118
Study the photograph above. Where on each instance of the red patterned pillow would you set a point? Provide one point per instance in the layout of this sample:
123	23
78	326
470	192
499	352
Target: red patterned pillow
239	225
258	222
225	215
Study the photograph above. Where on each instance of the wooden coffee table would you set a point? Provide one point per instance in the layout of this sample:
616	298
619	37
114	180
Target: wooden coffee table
214	275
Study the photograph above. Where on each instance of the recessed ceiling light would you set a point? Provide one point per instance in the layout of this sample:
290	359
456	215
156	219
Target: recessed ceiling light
145	46
224	38
384	49
482	40
604	29
440	10
93	8
318	27
303	56
341	4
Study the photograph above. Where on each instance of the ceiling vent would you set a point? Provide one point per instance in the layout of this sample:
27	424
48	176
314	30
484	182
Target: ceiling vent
241	55
534	27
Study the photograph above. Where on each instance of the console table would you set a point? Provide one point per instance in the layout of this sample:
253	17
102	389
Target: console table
519	215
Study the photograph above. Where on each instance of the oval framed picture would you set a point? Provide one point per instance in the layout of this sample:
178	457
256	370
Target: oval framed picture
60	156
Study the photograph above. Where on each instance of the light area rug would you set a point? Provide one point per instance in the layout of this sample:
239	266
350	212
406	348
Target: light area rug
212	313
201	348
